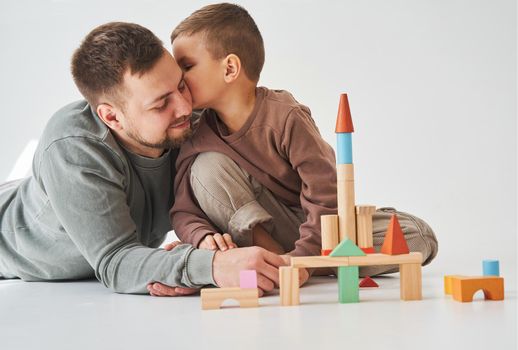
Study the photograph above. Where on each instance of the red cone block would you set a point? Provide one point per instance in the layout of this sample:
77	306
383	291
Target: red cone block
344	121
394	242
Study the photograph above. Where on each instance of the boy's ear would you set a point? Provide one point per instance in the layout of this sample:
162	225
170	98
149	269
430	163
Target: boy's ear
232	68
109	115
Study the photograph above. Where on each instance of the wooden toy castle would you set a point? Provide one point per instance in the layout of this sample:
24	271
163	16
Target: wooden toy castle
347	241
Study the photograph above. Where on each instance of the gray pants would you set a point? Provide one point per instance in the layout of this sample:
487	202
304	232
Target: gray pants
236	202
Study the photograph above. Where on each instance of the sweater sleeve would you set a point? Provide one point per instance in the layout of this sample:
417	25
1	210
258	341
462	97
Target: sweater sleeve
189	222
85	183
314	161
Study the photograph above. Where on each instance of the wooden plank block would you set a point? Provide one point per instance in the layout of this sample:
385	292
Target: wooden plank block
384	259
289	285
318	261
368	260
212	298
329	232
410	281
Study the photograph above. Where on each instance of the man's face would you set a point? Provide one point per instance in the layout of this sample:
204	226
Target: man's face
203	74
157	109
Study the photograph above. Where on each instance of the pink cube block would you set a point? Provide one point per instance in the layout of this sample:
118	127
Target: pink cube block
248	279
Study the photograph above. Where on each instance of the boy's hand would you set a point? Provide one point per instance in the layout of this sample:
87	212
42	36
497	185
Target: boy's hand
217	241
303	273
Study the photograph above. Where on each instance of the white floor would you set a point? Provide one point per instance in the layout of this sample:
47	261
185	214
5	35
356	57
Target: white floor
85	315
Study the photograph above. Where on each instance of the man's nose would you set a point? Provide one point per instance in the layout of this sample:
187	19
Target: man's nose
183	106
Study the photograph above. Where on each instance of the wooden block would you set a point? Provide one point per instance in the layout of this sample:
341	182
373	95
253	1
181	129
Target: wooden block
368	282
367	260
364	225
368	250
344	122
365	209
247	279
410	281
289	285
448	284
346	206
325	252
348	290
329	231
212	298
344	172
347	248
345	196
463	287
491	268
384	259
344	148
318	261
395	242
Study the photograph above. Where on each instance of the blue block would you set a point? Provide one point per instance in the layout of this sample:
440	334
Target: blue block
490	268
344	148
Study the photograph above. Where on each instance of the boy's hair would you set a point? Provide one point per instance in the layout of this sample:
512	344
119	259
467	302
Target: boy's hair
228	29
99	64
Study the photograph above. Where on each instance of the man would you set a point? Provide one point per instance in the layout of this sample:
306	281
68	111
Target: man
98	200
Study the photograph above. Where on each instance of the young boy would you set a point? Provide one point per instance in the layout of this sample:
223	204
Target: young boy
282	174
286	171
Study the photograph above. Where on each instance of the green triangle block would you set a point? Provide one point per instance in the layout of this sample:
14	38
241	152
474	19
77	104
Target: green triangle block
347	248
348	289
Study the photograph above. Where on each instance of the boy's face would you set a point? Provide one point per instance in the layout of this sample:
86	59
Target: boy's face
203	74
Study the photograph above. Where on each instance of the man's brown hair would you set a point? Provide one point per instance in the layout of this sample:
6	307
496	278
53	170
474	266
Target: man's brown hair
227	29
99	64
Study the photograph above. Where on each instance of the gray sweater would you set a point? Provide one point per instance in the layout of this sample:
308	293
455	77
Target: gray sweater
92	208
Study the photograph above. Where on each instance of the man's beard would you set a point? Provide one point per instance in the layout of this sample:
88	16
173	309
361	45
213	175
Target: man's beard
166	143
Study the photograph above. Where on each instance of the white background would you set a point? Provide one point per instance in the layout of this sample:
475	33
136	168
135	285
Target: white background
431	84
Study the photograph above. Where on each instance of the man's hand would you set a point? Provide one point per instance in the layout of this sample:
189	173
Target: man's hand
217	241
303	273
227	265
158	289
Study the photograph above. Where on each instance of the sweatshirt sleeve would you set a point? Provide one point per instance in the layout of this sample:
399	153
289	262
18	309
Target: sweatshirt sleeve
314	160
85	183
189	222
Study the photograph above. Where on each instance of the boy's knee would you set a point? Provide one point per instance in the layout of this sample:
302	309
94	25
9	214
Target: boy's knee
418	235
213	166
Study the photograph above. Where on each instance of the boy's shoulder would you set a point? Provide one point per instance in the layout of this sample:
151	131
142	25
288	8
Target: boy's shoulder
282	99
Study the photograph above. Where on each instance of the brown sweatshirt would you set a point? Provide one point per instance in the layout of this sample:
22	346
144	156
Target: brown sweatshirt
281	147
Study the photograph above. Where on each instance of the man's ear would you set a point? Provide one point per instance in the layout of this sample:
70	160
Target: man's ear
109	115
232	68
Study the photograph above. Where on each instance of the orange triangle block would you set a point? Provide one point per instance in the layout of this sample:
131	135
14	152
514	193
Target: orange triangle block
394	242
368	282
344	121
